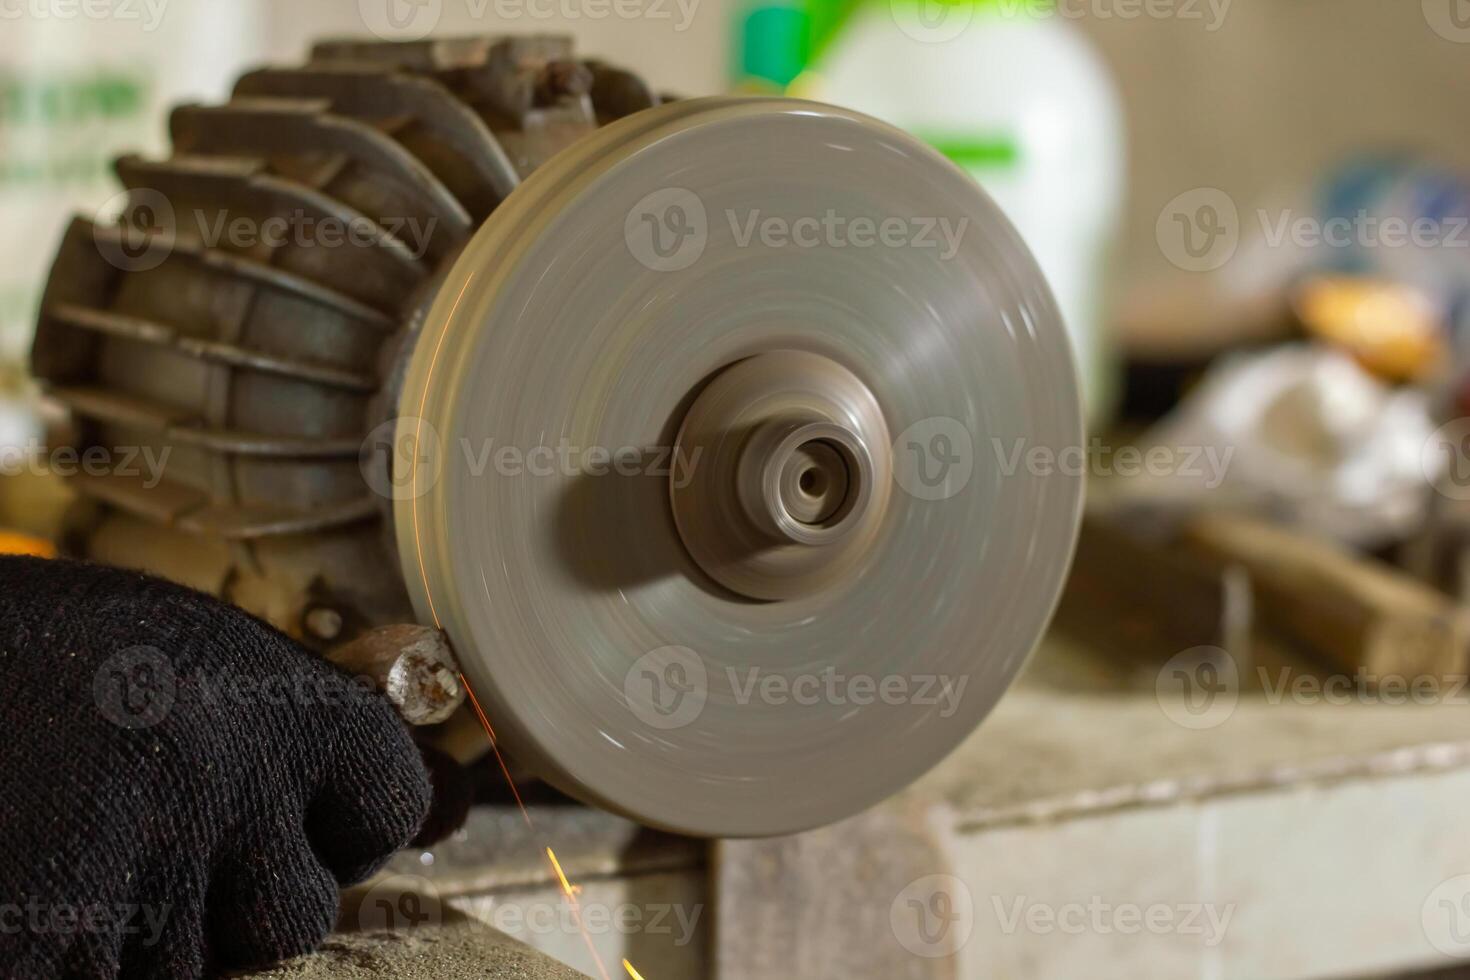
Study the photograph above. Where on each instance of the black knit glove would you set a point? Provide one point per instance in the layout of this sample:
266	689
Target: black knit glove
182	788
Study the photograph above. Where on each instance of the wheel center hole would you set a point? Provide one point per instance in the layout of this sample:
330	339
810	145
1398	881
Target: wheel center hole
813	482
817	483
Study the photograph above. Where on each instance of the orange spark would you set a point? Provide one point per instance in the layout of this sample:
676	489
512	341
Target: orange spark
566	886
570	889
417	435
495	747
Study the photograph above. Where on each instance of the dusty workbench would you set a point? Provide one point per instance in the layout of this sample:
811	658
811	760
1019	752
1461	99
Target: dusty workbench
1083	830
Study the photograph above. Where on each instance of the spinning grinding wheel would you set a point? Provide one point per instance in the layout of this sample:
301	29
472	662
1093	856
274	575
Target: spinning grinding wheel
733	531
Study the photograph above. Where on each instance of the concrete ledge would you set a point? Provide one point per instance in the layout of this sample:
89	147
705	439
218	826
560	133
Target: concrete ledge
462	948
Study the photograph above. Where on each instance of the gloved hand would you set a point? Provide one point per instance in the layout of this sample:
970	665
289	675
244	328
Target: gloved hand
182	788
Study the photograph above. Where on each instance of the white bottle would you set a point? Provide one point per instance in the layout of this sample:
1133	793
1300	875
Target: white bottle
1013	92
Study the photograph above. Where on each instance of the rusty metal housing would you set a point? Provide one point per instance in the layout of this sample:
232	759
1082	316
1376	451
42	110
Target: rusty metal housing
250	309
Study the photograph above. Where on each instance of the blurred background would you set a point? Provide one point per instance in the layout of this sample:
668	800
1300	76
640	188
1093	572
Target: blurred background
1195	176
1120	135
1261	99
1256	217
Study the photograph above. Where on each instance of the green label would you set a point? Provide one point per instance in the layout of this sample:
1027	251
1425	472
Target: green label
66	100
59	169
977	153
61	129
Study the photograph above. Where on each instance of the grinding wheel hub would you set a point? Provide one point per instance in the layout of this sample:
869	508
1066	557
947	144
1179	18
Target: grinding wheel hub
789	475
